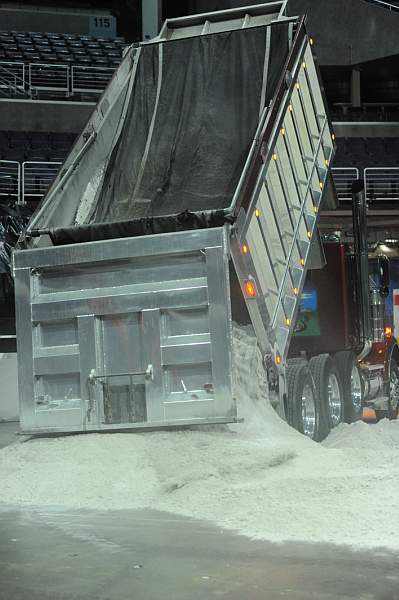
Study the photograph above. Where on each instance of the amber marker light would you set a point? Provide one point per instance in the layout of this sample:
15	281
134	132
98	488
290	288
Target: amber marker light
311	41
388	332
309	235
302	261
257	213
278	359
288	322
250	289
274	156
244	249
295	290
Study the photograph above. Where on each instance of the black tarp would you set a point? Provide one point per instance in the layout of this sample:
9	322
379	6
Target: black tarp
189	153
136	227
190	122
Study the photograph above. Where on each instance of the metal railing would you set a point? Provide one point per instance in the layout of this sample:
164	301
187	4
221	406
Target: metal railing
50	78
37	178
90	79
12	78
45	79
10	179
386	5
381	183
31	180
343	178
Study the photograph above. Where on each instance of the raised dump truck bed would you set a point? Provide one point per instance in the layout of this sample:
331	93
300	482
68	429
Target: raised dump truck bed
210	148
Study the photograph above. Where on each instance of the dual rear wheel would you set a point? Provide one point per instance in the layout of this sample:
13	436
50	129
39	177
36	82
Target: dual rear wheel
302	407
393	406
323	393
393	394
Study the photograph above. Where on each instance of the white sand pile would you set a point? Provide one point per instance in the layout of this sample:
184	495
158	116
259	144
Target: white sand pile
260	478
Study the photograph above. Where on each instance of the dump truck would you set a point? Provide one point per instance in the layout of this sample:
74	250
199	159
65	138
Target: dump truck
193	194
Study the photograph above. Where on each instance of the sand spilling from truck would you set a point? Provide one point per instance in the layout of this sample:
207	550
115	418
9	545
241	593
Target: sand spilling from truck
260	478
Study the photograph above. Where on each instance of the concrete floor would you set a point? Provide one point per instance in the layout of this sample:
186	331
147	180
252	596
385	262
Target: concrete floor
145	555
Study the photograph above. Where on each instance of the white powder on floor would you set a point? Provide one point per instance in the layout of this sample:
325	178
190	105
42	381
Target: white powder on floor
260	478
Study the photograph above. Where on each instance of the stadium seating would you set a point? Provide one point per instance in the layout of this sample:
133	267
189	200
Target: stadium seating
29	162
21	146
57	48
367	152
376	160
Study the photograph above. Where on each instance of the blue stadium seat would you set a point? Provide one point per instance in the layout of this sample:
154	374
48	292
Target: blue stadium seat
38	140
12	55
102	62
16	154
26	47
51	58
82	61
59	43
32	57
95	52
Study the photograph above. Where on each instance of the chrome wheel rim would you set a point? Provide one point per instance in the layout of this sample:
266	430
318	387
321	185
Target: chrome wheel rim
308	411
394	390
334	399
356	388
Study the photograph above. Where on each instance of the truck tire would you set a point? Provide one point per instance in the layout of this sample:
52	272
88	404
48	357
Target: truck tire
393	394
329	391
352	385
303	408
393	405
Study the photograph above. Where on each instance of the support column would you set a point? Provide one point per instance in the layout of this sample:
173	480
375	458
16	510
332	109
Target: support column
356	100
151	11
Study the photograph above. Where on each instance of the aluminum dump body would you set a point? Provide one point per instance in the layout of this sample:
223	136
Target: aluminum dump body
210	148
126	333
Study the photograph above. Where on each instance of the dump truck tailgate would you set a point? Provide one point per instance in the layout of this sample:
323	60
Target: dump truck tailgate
126	333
